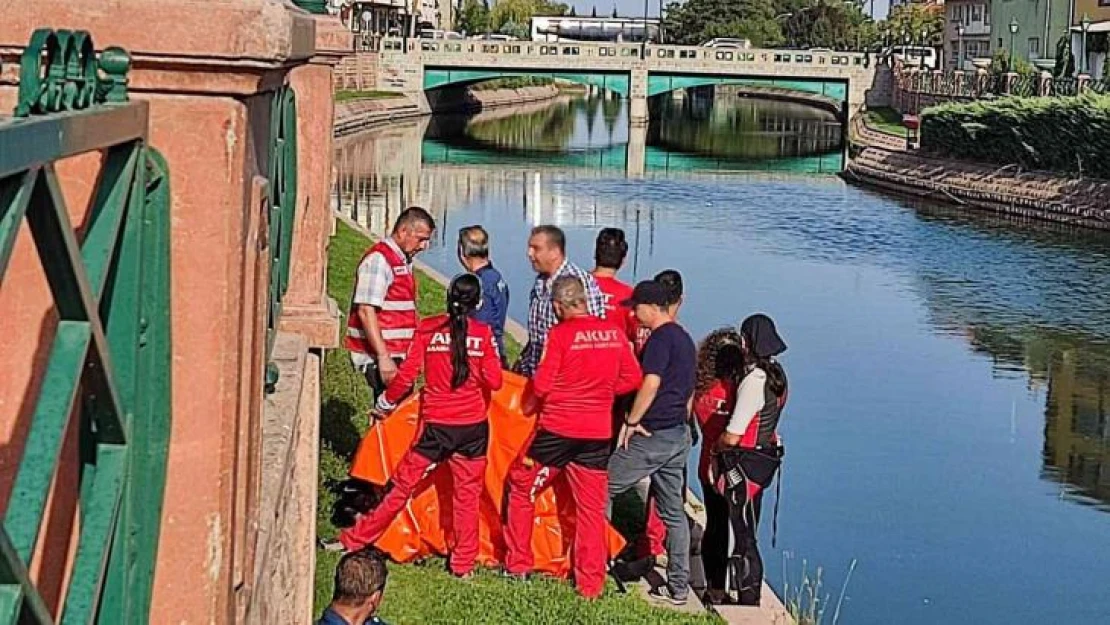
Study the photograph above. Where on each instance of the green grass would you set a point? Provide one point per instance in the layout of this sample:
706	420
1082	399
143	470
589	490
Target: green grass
426	593
346	95
887	121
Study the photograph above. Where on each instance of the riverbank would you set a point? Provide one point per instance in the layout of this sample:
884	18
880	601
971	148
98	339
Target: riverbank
354	115
880	160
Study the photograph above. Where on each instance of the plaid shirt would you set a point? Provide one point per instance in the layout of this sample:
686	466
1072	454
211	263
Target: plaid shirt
372	280
541	313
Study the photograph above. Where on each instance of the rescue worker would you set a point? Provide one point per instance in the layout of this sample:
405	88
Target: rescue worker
749	450
461	367
586	364
719	369
610	250
474	257
382	318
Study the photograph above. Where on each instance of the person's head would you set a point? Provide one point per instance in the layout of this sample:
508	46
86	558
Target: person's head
464	296
610	249
761	342
672	281
473	247
547	249
413	230
359	584
649	302
569	297
719	358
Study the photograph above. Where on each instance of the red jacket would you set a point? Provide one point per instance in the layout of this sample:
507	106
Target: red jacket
431	353
586	364
713	408
614	291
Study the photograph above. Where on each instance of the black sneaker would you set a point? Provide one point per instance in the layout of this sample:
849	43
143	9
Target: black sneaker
663	593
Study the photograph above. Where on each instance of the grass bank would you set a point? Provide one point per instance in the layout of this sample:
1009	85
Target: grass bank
348	95
886	120
426	593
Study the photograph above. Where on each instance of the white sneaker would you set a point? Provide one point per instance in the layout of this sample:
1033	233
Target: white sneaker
663	593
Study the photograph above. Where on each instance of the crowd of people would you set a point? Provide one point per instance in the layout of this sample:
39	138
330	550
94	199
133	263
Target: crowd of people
620	393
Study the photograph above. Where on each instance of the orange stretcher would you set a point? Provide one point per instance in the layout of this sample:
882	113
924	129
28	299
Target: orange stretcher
420	530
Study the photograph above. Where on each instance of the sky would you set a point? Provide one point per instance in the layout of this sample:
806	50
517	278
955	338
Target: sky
636	7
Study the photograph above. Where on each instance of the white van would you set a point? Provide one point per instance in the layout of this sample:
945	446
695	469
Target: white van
727	42
913	56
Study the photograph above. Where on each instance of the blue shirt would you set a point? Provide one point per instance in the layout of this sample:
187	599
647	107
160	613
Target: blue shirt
669	353
495	305
331	618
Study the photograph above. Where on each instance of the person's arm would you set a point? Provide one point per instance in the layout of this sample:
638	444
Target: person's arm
749	401
373	280
630	374
551	364
491	363
406	375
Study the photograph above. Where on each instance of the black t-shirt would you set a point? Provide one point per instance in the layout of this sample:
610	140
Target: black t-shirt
669	353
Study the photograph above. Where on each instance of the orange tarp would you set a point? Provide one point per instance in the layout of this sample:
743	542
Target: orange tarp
421	528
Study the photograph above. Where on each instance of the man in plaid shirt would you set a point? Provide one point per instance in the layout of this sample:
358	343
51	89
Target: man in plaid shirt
547	253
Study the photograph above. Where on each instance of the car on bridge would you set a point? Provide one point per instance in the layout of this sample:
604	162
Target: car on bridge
727	42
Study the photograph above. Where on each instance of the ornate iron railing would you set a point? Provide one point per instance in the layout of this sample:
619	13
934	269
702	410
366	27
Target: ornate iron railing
108	364
283	204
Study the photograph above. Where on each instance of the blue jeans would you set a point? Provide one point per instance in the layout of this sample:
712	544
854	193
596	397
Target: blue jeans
662	458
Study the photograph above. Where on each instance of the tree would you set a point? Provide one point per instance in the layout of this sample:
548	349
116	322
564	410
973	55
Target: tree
593	12
519	14
614	11
838	26
474	18
572	13
907	22
696	21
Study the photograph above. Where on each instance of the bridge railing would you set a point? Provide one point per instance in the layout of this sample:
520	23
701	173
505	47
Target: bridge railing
105	378
655	55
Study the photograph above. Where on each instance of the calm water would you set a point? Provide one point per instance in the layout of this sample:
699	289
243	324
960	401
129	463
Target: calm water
950	375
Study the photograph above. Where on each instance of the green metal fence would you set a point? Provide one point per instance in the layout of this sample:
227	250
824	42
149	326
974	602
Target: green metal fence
108	367
283	204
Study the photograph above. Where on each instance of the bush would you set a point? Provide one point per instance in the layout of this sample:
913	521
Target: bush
1056	134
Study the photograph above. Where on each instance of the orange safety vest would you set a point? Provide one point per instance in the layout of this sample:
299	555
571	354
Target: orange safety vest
397	315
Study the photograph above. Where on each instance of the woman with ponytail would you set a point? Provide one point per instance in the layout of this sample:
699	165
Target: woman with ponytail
749	451
461	366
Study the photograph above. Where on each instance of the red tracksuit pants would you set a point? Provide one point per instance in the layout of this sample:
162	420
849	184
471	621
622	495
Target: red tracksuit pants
464	449
548	457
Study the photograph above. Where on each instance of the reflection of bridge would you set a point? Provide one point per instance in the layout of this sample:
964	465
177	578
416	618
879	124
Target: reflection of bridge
634	71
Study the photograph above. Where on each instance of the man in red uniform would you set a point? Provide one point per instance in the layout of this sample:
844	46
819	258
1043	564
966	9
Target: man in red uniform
382	318
610	250
586	364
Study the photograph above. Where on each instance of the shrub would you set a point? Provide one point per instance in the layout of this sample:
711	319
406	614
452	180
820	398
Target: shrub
1057	134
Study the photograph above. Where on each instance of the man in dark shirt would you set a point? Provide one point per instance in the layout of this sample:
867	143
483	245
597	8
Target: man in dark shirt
654	441
474	256
359	586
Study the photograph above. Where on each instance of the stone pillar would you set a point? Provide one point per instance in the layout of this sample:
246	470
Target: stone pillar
1008	82
638	97
1044	84
636	155
208	71
307	310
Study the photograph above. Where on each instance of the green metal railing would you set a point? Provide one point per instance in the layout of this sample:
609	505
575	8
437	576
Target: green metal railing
283	204
108	368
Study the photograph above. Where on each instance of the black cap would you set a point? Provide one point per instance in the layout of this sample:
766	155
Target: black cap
648	292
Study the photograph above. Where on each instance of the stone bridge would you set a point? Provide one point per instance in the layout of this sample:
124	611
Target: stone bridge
634	71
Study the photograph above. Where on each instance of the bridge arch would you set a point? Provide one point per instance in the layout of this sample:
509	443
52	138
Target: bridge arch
434	78
659	83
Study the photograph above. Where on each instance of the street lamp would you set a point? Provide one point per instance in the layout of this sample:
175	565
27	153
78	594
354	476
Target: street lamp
1013	31
960	47
1085	24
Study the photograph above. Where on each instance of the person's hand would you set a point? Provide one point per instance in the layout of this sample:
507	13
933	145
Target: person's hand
387	369
628	431
727	440
376	415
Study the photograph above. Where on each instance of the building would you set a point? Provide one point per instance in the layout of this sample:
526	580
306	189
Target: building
1097	13
967	33
594	29
1040	25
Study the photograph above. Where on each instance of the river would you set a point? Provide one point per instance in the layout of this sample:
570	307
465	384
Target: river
950	374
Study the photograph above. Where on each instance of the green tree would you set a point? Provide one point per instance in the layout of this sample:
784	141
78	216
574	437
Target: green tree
909	21
696	21
474	18
518	15
593	12
834	25
614	11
